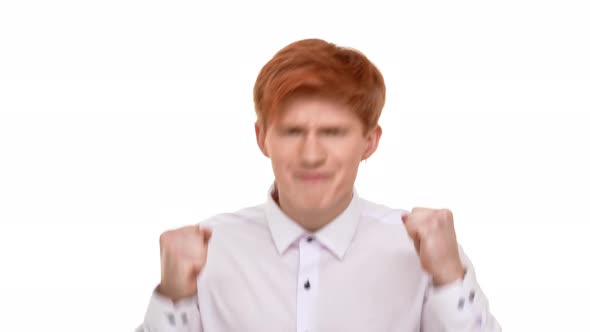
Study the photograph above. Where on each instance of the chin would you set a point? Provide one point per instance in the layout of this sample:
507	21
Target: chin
313	206
312	196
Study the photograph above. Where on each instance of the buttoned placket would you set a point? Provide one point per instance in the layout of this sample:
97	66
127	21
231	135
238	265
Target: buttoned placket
308	283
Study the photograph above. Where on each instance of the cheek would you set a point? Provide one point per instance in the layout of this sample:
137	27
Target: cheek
280	157
350	155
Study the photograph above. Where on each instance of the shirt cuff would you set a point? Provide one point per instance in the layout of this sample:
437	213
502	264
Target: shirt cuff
164	315
460	303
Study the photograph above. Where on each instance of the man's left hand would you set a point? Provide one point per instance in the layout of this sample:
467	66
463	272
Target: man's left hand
435	241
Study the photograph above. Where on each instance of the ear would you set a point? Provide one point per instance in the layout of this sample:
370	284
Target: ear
373	136
260	138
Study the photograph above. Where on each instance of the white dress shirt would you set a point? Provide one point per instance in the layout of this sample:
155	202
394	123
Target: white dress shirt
360	272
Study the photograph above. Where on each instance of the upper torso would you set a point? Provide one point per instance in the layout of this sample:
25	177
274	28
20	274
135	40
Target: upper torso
360	277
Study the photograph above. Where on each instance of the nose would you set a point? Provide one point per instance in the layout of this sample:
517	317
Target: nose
312	152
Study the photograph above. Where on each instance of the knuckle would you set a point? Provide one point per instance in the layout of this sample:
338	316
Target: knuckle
164	237
191	229
446	214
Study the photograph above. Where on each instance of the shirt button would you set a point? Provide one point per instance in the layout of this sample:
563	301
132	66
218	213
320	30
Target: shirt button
309	239
307	285
461	303
471	296
171	319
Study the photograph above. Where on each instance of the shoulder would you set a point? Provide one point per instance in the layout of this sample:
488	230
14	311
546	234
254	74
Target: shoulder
240	226
382	226
245	217
381	233
379	213
380	223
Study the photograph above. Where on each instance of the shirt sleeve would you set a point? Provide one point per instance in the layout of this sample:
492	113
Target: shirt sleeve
165	316
458	307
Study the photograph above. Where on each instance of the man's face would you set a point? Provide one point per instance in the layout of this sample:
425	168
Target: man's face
315	147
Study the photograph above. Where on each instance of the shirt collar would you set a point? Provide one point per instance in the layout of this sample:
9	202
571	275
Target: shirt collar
336	235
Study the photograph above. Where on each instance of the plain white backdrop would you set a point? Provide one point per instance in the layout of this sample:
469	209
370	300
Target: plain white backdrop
121	119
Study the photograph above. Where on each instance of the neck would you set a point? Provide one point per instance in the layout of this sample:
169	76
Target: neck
313	219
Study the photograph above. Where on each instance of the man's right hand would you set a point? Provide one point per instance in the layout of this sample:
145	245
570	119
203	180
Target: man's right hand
183	253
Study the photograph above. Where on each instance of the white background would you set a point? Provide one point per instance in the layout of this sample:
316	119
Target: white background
121	119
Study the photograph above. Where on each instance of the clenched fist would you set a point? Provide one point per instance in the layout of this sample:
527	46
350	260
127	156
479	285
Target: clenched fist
435	241
183	253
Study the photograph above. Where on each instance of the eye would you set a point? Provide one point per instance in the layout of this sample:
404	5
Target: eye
292	131
334	131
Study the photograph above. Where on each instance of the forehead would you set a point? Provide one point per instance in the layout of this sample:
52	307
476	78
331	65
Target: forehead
316	110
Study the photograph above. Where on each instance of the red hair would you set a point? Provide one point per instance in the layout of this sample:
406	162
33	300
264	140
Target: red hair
318	67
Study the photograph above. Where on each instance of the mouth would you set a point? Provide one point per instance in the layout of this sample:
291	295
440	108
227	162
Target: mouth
312	177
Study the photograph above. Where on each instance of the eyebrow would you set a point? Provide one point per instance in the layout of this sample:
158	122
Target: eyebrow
320	128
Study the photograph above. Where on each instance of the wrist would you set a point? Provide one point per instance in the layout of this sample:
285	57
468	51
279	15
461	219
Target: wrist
168	293
448	276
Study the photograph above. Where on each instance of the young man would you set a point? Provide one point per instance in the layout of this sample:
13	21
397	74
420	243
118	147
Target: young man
316	256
